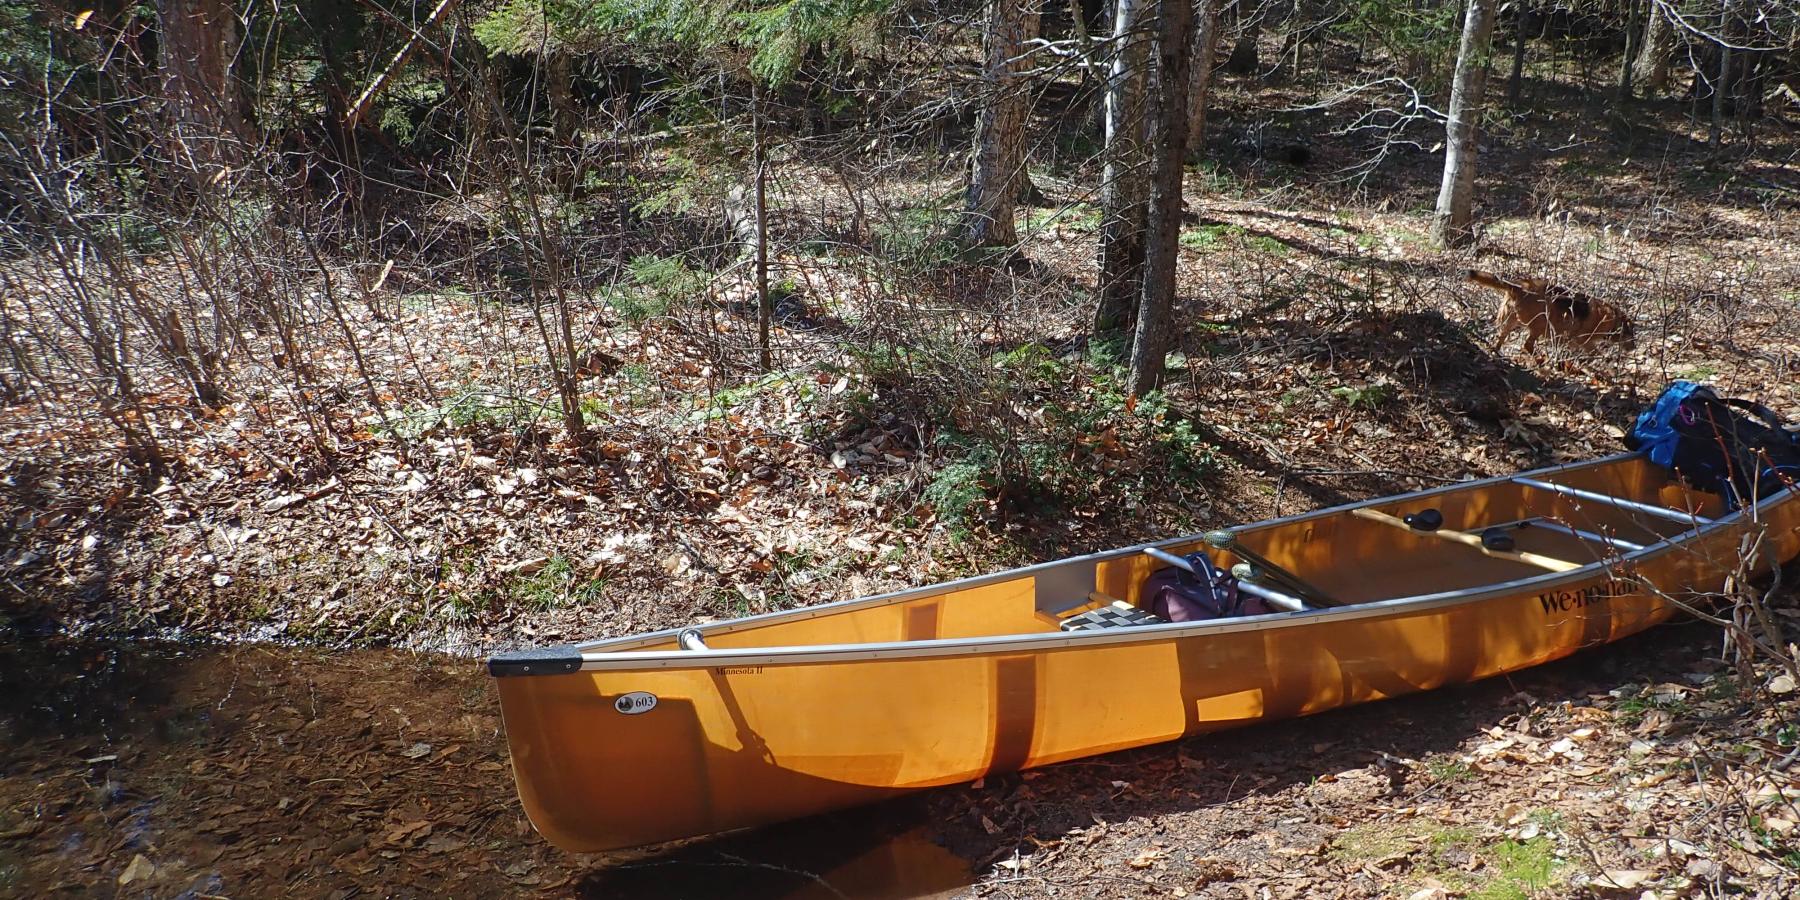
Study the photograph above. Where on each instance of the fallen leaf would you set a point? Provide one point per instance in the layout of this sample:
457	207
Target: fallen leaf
140	869
1146	857
1781	684
529	566
1626	878
400	833
283	502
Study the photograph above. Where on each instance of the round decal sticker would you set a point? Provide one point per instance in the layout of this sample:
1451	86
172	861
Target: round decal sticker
635	703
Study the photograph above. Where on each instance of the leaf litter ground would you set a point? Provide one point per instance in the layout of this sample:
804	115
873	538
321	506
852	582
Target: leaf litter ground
1332	356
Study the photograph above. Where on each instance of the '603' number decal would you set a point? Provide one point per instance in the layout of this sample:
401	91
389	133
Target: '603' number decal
635	703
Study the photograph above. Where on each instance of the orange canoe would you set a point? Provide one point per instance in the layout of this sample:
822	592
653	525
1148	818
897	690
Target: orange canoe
677	733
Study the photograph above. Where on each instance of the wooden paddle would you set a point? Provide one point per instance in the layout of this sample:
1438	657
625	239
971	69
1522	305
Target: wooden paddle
1463	537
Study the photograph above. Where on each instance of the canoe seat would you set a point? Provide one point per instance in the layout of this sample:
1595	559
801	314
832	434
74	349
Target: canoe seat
1119	614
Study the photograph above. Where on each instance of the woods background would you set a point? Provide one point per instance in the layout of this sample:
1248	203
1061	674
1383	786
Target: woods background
350	321
466	325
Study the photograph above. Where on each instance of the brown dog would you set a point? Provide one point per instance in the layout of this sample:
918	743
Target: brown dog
1558	313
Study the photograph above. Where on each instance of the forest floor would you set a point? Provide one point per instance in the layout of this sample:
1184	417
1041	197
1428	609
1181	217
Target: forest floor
1330	355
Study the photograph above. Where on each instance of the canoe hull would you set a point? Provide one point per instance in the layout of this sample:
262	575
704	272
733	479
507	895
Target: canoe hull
749	741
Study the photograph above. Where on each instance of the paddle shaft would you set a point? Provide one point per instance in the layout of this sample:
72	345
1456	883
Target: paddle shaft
1463	537
1227	541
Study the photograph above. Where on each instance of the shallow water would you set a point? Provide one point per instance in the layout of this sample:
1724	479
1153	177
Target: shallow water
170	770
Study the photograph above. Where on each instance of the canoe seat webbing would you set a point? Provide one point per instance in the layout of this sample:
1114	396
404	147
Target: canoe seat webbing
1117	615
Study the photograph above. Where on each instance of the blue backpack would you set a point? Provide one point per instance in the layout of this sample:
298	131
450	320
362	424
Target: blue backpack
1711	445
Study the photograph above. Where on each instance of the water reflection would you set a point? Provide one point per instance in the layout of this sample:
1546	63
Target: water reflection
178	770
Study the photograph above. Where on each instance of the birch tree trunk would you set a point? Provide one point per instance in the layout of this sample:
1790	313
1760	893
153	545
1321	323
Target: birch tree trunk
1167	137
1450	227
999	168
1206	43
1124	181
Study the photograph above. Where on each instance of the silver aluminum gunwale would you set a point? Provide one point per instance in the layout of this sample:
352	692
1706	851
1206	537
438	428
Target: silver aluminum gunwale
597	657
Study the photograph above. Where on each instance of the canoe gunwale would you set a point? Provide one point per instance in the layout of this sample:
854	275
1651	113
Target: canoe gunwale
600	655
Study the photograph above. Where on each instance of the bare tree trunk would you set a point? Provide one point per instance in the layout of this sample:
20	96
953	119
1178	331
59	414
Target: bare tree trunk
765	307
1653	55
1244	58
565	120
1450	226
199	39
1162	237
1721	85
1628	60
1206	42
995	182
1124	182
1515	84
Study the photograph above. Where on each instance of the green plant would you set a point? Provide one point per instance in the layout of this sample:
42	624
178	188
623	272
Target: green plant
957	490
657	285
1521	869
1371	396
1075	217
554	585
919	239
1449	770
472	407
1209	237
1633	709
1266	244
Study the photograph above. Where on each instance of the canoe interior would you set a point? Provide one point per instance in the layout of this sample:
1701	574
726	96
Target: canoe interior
1351	559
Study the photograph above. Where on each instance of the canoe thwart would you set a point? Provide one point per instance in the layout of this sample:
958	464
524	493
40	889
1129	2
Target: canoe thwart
1273	597
1565	528
690	639
540	661
1471	540
1226	540
1662	512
